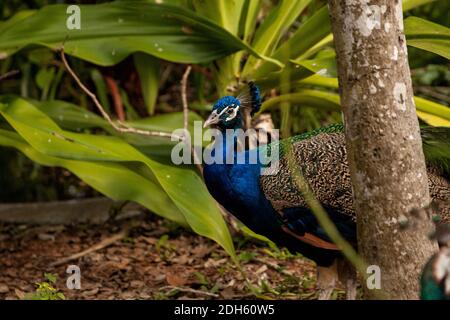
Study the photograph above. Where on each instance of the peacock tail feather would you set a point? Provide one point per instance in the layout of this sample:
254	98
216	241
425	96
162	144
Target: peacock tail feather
435	142
322	159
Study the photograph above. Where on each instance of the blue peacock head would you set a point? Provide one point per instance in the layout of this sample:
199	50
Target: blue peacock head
227	111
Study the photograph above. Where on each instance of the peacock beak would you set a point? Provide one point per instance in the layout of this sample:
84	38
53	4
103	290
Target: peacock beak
212	119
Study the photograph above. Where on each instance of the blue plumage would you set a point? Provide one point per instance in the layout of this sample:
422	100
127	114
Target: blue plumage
236	187
272	205
255	97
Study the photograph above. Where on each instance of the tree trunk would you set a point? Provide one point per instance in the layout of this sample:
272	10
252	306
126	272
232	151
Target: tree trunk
383	141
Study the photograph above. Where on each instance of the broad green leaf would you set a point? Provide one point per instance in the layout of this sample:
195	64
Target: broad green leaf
325	42
325	67
291	73
310	98
44	79
248	18
432	108
314	34
114	180
438	46
71	117
148	69
411	4
423	105
100	89
273	26
433	120
21	15
431	112
131	114
225	13
111	31
428	36
418	27
318	80
185	188
247	26
307	35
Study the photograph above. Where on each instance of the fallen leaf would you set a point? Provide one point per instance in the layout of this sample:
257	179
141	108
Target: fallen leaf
19	293
4	288
90	292
175	280
228	293
137	284
261	269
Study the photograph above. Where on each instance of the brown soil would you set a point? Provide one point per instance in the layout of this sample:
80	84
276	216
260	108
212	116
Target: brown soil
155	261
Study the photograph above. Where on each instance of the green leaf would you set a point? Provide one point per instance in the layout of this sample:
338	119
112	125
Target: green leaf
100	89
111	31
411	4
184	187
148	69
432	108
424	106
114	180
68	115
428	36
431	112
307	97
325	67
249	17
313	35
50	277
17	18
307	35
224	13
433	120
318	80
71	117
44	79
291	73
273	26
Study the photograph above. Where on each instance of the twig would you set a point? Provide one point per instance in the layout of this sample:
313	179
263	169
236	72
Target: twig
186	116
184	97
118	105
9	74
189	290
121	127
274	267
102	244
432	93
125	128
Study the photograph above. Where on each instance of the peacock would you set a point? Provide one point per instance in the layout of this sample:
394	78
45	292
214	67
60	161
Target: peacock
435	280
272	204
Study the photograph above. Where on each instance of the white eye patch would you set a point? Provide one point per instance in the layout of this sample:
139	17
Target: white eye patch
233	114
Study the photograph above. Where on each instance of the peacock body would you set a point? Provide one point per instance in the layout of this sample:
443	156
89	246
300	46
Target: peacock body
272	204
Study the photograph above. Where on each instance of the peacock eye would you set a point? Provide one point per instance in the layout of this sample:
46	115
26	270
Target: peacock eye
230	111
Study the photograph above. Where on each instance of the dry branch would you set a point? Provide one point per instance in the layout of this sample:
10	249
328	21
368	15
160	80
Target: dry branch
190	290
120	126
103	244
184	97
9	74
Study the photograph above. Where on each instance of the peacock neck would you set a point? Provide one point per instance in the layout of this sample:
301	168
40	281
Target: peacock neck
227	145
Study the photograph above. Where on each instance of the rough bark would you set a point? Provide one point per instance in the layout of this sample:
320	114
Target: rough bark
383	141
